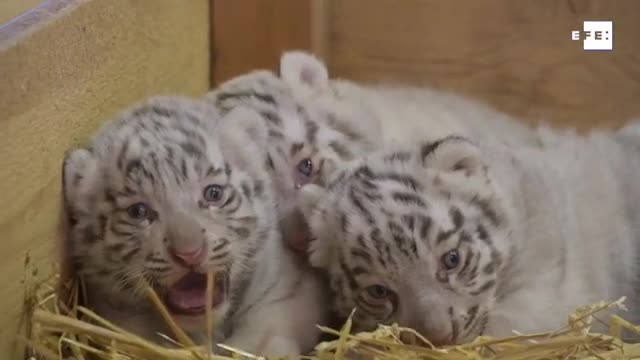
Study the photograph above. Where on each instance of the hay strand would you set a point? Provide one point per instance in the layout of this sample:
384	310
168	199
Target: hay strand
180	335
61	329
66	324
208	318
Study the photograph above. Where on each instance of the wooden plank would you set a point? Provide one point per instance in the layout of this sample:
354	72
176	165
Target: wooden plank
252	34
319	24
66	67
12	8
516	55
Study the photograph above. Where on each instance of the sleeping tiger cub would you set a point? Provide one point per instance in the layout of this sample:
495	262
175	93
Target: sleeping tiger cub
457	240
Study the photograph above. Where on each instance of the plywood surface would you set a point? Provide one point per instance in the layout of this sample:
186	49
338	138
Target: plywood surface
12	8
515	54
65	68
252	34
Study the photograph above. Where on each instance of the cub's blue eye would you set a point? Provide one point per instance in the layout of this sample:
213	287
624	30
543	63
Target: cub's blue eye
212	193
451	259
378	292
305	167
138	211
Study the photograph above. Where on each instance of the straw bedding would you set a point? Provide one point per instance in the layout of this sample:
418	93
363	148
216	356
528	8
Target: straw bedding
57	327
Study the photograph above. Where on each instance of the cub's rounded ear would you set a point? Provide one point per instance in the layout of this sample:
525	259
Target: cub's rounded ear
454	154
79	173
304	72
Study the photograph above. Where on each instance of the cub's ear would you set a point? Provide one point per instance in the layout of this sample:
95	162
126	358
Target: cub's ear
79	176
453	154
243	139
321	226
303	72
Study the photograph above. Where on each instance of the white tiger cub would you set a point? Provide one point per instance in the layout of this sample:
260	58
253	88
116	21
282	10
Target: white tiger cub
168	190
457	240
315	121
305	139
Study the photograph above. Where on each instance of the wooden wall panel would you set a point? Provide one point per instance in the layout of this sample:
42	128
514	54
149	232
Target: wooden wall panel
12	8
66	67
515	54
252	34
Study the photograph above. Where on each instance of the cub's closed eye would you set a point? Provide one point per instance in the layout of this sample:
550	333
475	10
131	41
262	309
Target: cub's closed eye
378	292
139	211
305	167
379	300
213	193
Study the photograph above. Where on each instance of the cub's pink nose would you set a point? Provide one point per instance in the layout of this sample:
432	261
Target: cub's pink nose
187	258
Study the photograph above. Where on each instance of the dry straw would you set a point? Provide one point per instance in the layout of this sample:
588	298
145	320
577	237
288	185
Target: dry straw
61	329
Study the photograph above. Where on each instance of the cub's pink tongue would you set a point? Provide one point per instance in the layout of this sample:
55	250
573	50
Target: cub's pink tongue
188	295
188	299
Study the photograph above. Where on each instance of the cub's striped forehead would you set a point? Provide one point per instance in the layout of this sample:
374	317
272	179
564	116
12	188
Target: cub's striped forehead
375	167
403	166
292	120
387	200
262	90
163	132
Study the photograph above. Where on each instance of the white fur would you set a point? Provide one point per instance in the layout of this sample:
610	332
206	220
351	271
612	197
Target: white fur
305	73
572	235
579	194
405	113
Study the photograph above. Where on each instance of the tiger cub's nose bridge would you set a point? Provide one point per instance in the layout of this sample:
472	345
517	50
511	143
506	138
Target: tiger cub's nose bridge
188	255
184	232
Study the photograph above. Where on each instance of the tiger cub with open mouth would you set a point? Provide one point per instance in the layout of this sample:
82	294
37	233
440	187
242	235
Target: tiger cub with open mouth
169	190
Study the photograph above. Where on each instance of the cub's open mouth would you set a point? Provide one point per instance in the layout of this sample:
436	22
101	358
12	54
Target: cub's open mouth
188	295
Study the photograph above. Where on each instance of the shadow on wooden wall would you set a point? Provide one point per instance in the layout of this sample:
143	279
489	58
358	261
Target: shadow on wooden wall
518	56
252	34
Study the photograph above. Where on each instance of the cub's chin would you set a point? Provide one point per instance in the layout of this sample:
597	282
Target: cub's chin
186	300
